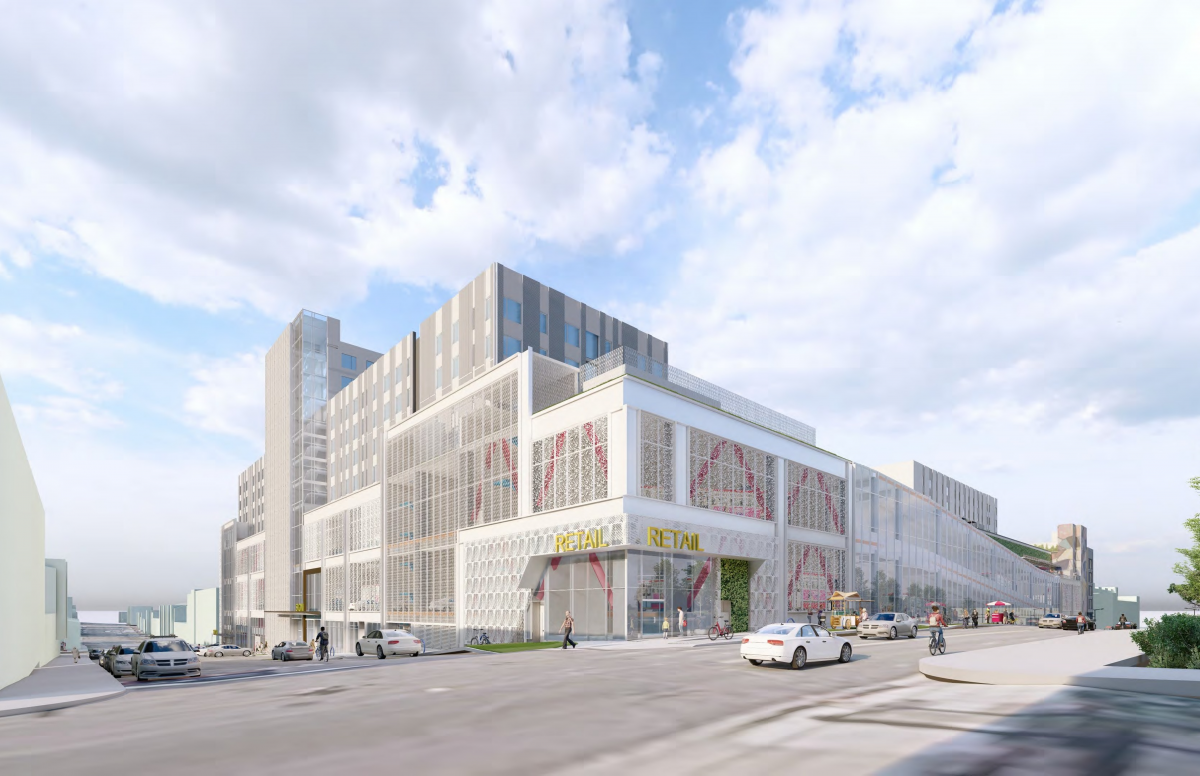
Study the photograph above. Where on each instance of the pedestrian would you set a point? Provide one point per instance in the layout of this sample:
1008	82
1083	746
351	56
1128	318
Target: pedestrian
666	628
821	617
567	626
62	646
1124	623
1080	623
75	653
974	618
987	616
682	621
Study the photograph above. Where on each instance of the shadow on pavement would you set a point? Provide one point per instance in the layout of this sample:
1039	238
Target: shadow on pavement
1075	731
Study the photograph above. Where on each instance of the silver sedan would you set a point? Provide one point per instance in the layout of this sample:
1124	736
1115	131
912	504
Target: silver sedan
292	650
893	625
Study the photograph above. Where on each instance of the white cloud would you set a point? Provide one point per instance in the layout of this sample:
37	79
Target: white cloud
963	243
66	412
226	155
58	355
227	397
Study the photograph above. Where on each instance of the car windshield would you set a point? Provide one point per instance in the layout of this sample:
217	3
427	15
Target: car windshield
396	633
889	616
777	629
127	650
166	646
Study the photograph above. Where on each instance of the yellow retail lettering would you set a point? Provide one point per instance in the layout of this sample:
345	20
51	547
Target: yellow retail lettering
669	538
579	540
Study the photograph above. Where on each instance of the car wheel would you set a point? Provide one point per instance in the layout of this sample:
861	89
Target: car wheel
892	634
138	676
912	634
283	658
218	654
379	652
754	662
846	654
358	649
245	653
799	658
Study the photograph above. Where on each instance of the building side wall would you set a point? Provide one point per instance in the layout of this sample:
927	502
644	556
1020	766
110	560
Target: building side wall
22	556
277	485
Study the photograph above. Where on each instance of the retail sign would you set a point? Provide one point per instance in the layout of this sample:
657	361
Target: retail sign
579	540
668	538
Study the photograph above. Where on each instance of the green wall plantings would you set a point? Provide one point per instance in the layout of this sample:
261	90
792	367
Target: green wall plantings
735	588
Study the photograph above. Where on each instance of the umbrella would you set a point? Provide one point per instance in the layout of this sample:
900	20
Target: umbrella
935	603
999	603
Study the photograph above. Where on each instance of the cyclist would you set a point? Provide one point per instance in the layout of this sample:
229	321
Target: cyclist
936	623
323	644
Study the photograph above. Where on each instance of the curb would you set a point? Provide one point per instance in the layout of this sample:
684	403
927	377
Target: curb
60	702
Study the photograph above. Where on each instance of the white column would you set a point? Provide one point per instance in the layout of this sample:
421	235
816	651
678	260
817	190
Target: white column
782	571
631	447
524	435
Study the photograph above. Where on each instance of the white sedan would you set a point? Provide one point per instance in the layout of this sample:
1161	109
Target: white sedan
389	642
795	643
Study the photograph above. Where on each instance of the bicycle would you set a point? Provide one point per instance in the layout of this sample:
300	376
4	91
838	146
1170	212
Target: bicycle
718	630
937	643
480	639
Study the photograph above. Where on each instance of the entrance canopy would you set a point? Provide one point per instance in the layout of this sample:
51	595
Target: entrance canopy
999	603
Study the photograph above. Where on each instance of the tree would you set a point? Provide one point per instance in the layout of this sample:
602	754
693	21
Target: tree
1189	589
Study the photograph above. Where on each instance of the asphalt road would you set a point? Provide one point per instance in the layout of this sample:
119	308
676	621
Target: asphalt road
526	712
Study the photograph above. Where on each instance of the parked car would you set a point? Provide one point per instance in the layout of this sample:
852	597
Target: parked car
94	653
890	624
162	658
292	650
795	643
120	660
221	650
389	642
1050	621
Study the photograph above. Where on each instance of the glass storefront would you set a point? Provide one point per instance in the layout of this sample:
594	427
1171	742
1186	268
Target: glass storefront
626	594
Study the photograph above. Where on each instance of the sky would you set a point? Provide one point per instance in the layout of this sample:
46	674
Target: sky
966	233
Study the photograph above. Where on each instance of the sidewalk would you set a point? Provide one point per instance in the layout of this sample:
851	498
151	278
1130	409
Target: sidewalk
61	684
1106	660
657	642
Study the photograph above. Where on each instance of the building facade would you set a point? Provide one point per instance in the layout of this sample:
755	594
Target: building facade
523	455
328	403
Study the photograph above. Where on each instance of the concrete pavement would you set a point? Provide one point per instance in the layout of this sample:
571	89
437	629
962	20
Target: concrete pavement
58	685
525	712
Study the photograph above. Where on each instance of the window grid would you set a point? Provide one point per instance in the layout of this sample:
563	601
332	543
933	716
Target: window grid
571	467
454	470
657	457
730	477
815	499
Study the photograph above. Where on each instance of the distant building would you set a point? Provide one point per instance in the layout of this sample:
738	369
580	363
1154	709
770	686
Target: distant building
1109	605
961	500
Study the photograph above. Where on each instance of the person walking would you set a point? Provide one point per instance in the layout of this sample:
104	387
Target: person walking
974	618
568	626
75	653
682	621
1123	623
987	616
1080	623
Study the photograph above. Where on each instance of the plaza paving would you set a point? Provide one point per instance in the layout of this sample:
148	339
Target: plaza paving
596	710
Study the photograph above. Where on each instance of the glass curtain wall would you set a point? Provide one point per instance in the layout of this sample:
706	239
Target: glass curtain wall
309	475
910	554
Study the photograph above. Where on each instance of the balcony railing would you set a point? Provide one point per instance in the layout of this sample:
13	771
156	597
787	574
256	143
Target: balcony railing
727	401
